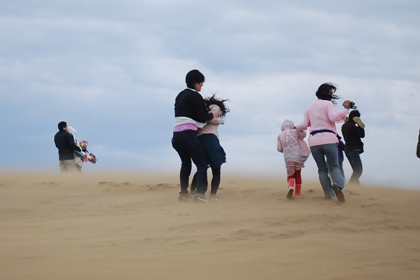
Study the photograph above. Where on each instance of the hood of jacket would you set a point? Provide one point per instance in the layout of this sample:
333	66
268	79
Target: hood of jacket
287	124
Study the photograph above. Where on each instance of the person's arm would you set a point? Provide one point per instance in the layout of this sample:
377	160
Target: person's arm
279	144
72	144
216	121
200	110
301	133
359	131
337	116
305	122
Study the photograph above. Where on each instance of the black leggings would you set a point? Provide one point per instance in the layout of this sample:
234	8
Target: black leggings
215	181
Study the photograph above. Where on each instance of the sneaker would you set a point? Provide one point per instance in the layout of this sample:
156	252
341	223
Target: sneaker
215	198
199	198
290	193
184	197
339	194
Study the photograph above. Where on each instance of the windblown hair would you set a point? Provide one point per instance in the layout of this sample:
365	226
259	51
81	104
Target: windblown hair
217	101
323	92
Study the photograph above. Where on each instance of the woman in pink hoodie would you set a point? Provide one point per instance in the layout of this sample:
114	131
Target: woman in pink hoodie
321	117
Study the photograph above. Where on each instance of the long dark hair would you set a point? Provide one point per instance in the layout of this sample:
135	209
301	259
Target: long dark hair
217	101
323	92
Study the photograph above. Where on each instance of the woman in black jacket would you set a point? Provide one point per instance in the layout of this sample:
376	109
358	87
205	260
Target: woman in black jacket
191	114
353	130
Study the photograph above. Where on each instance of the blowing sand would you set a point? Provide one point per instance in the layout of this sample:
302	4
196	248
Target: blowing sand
131	226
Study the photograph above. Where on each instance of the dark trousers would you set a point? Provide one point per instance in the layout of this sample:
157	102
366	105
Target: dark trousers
215	181
189	148
356	164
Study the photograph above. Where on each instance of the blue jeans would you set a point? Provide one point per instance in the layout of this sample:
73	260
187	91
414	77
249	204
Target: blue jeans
189	148
322	154
356	164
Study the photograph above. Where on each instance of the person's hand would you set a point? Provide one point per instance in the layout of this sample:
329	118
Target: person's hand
346	104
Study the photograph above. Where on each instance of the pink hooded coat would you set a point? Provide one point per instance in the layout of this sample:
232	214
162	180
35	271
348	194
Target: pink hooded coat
291	143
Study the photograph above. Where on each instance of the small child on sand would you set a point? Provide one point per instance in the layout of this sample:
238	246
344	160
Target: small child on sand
296	152
89	156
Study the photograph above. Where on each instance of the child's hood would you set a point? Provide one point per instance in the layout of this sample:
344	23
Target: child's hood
287	124
72	131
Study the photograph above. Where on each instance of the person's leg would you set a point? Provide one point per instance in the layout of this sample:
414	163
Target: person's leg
215	181
290	169
192	144
186	166
291	183
298	181
63	167
319	157
356	164
71	166
331	152
342	171
215	156
193	186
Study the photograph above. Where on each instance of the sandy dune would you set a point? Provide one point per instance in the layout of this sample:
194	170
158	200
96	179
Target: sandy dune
131	226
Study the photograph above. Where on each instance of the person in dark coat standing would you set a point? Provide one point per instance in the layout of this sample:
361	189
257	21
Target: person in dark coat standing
418	146
66	146
353	130
190	115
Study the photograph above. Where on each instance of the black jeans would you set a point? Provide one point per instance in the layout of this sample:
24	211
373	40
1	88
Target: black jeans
189	148
356	164
215	181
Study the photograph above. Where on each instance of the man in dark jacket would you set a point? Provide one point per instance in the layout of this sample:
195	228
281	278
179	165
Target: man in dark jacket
66	146
353	130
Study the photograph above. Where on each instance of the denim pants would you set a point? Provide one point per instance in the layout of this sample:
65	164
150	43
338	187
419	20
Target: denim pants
189	148
356	164
322	154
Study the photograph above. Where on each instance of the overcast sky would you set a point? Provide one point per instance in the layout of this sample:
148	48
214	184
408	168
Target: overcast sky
112	70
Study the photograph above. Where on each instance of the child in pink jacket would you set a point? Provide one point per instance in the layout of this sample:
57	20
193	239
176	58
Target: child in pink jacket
296	152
